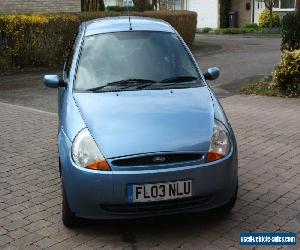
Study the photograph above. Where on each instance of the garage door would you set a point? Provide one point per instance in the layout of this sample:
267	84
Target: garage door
207	12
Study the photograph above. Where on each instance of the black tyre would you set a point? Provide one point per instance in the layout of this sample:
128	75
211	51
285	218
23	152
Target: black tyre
230	205
68	217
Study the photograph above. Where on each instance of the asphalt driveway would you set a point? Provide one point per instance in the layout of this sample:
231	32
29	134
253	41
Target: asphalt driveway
240	58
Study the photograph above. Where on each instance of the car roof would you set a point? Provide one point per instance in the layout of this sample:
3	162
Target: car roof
125	23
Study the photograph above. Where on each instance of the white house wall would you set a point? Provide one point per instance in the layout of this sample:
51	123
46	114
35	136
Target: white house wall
110	2
208	12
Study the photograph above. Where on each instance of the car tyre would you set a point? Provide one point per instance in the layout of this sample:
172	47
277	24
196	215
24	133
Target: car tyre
69	219
226	208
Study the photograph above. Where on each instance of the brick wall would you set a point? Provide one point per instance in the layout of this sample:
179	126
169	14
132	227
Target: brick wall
244	15
23	6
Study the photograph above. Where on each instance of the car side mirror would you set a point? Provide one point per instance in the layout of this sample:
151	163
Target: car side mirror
53	81
212	73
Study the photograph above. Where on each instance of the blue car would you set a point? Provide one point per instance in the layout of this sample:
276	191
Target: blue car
140	132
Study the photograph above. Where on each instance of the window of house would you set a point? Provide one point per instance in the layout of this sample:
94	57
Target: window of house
285	4
174	4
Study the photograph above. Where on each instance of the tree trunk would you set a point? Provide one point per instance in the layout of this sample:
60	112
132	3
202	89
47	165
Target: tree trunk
92	5
271	18
297	5
154	4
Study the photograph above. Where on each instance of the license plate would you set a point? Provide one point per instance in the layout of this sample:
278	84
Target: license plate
159	191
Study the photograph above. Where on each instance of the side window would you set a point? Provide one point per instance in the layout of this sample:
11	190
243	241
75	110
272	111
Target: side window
68	62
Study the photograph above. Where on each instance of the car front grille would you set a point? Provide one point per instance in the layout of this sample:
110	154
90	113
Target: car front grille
158	206
157	159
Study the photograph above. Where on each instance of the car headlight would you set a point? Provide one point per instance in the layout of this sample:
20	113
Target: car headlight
220	143
86	153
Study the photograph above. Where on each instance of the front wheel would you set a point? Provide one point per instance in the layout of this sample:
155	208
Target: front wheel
68	217
226	208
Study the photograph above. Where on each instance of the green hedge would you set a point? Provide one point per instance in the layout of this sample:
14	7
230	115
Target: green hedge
118	8
43	40
185	22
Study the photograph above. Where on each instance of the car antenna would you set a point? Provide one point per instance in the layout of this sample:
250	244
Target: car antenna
129	19
130	27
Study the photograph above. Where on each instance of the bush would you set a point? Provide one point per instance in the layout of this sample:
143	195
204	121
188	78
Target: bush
263	87
118	8
247	30
225	6
39	40
206	30
287	73
264	19
250	26
268	31
185	22
290	31
43	40
234	31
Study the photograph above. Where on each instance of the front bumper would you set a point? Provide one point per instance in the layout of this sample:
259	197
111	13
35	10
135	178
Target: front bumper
103	195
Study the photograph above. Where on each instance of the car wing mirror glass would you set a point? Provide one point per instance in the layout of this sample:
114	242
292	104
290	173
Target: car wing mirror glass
53	81
212	74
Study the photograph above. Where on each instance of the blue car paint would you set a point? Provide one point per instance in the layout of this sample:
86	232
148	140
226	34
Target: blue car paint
141	119
121	24
88	189
134	122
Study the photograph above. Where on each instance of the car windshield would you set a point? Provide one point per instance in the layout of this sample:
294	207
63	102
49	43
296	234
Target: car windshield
135	60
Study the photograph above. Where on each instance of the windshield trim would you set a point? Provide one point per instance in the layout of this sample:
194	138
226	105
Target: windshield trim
194	86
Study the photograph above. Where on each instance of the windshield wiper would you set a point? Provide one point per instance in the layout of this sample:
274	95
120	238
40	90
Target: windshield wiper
133	80
143	83
123	83
179	79
174	82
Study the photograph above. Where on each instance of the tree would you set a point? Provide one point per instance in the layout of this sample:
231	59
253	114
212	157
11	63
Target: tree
154	4
92	5
297	5
141	5
270	5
